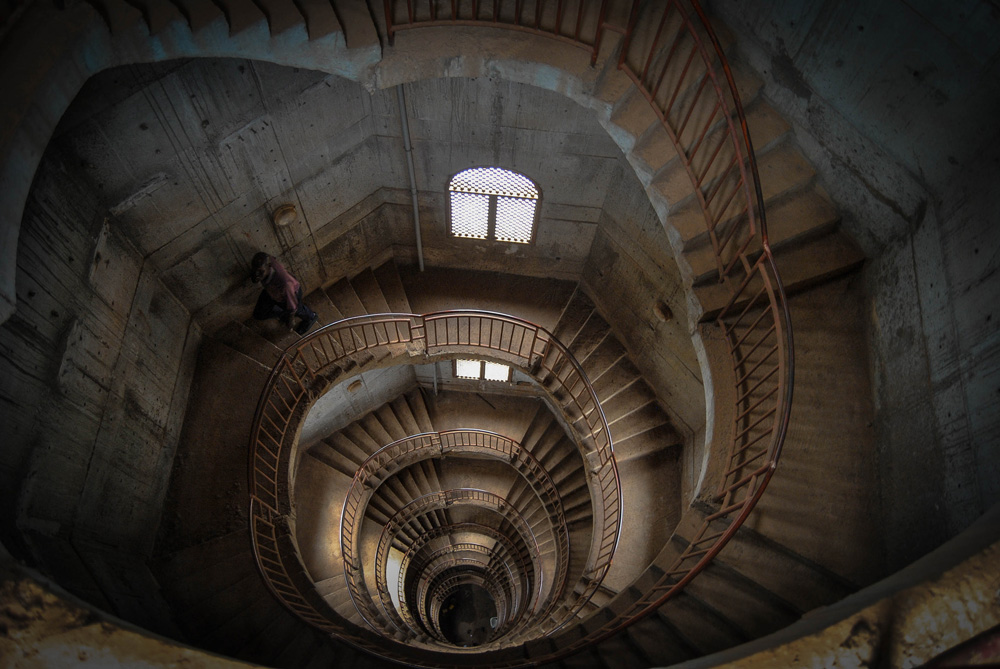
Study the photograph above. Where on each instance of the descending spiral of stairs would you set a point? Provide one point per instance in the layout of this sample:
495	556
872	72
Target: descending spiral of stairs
438	521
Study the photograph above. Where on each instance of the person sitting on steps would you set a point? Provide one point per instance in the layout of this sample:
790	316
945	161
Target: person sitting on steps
282	294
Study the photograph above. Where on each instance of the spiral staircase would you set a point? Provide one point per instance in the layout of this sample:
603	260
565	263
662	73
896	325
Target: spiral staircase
548	511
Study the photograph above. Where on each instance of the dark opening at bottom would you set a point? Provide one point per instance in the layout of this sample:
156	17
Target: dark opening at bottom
465	616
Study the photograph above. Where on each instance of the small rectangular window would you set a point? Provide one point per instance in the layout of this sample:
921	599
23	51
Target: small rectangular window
515	218
468	369
481	369
493	203
496	372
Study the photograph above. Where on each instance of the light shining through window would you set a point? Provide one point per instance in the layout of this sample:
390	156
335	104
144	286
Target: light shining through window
468	369
481	369
493	203
496	372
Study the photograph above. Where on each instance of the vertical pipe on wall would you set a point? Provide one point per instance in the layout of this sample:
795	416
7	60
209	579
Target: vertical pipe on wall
401	99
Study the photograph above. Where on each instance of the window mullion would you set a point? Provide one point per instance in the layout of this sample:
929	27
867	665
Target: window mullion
491	232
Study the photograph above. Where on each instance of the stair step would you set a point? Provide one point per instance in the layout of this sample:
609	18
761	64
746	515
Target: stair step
237	629
573	317
704	628
361	438
325	310
793	578
241	15
628	400
189	561
404	416
802	265
302	646
415	400
370	293
281	15
249	342
641	420
781	169
387	417
603	358
661	643
321	19
633	116
330	457
392	287
753	609
590	336
346	452
118	15
264	648
199	13
378	433
618	377
356	20
344	297
158	14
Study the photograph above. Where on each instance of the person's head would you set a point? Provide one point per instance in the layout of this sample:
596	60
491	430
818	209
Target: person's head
260	266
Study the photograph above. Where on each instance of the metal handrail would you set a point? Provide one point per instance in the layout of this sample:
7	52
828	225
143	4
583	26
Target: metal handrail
320	359
684	75
403	453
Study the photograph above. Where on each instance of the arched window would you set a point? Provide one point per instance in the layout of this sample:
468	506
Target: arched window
493	203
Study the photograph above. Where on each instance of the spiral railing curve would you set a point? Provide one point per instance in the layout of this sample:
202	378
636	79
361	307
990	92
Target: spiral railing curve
404	452
674	58
327	356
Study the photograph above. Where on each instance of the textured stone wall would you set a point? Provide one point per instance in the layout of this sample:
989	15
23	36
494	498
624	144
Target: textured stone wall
908	150
98	359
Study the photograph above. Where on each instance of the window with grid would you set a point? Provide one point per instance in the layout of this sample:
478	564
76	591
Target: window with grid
493	203
481	369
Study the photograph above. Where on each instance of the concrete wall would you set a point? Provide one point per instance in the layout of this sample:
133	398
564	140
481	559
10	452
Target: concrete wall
98	360
908	149
630	273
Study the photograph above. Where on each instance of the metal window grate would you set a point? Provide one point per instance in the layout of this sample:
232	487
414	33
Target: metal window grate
493	181
515	217
468	369
470	215
481	369
494	371
493	203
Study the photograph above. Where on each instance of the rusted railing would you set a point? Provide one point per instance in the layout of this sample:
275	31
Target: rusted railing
317	361
675	60
403	453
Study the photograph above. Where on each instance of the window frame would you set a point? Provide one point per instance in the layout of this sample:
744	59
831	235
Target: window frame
491	214
482	371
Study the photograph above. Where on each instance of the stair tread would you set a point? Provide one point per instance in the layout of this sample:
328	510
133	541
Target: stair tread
241	15
392	287
367	288
321	19
343	296
199	14
158	14
574	315
281	15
